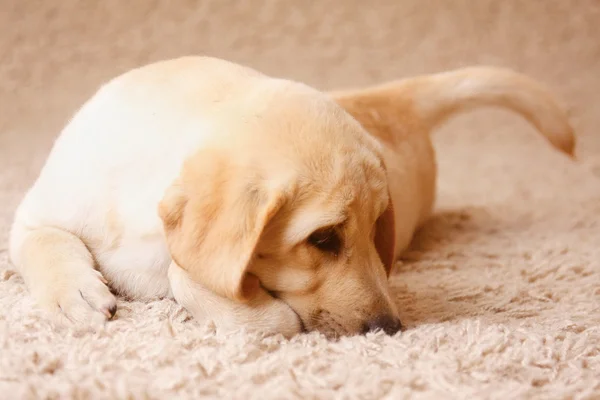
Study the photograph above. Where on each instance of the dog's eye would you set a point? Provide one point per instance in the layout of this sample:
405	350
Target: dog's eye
327	240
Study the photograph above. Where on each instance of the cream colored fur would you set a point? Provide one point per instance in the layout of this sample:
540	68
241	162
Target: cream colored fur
142	191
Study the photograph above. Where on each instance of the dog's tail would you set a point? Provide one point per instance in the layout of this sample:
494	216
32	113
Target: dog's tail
434	98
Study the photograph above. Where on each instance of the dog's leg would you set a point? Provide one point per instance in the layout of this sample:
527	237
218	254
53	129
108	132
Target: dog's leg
59	272
263	313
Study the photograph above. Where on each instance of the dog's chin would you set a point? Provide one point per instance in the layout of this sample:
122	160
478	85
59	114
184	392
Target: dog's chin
328	324
320	321
263	314
328	332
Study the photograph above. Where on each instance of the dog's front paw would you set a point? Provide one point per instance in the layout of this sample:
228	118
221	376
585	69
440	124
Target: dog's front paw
263	314
81	298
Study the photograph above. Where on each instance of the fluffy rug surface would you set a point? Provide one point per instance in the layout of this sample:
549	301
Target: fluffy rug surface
500	291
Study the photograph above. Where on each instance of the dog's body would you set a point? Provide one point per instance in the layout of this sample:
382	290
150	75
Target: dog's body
124	170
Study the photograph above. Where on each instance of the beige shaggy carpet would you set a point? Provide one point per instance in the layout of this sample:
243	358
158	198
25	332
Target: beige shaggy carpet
500	293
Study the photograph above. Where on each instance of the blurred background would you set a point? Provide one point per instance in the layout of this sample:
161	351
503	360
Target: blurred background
55	54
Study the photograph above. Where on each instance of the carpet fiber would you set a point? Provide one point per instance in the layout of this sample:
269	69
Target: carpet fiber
500	292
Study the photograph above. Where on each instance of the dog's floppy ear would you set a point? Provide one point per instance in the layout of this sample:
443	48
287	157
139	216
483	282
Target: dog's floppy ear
213	216
385	238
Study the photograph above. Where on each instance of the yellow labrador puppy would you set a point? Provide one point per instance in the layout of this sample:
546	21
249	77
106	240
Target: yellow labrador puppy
255	202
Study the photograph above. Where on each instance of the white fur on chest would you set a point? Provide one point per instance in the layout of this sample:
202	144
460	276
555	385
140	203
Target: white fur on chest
106	175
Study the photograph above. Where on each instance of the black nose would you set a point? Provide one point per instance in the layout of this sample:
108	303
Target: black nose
386	323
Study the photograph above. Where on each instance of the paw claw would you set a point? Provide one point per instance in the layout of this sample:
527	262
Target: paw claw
112	310
83	300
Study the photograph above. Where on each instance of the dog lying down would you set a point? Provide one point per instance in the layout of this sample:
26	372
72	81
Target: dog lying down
255	202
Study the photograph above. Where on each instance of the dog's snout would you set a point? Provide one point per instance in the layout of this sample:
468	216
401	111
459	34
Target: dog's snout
387	323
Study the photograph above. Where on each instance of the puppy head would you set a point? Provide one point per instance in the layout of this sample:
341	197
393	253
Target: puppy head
328	257
302	211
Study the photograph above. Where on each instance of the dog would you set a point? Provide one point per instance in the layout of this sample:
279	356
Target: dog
254	201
